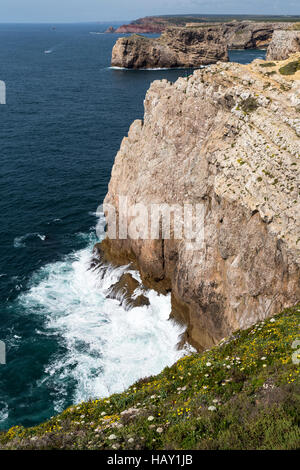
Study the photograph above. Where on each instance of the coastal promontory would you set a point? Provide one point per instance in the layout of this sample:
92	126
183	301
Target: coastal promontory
194	44
177	47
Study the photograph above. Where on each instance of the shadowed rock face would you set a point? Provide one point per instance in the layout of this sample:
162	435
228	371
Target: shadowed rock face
250	35
111	29
193	46
283	44
175	48
227	138
124	291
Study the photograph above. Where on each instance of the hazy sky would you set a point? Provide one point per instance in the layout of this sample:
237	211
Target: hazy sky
121	10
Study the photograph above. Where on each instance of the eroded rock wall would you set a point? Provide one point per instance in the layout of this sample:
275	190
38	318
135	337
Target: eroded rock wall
226	137
283	44
251	35
239	34
177	47
145	25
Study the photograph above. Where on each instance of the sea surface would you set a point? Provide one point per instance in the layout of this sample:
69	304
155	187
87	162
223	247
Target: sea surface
66	114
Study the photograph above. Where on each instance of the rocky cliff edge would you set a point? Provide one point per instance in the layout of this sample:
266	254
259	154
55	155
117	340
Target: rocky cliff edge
177	47
226	137
283	44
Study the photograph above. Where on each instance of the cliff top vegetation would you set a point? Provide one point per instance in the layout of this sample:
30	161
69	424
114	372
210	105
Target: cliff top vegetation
242	394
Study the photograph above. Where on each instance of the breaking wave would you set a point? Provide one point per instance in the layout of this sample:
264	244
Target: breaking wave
104	348
149	69
3	411
20	242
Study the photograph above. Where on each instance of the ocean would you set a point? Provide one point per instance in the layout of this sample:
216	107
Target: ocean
66	114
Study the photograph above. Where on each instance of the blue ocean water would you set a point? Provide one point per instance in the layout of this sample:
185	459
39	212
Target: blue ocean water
65	117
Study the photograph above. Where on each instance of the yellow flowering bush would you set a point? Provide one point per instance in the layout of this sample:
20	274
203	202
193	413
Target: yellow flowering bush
241	394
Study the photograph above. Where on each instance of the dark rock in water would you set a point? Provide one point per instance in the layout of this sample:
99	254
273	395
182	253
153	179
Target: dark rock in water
99	261
124	290
111	29
103	254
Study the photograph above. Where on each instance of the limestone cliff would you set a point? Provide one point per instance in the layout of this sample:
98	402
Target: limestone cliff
226	137
283	44
239	33
249	34
177	47
149	24
195	45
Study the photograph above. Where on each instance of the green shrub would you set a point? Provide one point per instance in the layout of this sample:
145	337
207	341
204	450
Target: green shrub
291	68
249	105
268	64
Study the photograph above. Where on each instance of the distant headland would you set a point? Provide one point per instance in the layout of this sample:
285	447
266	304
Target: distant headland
157	24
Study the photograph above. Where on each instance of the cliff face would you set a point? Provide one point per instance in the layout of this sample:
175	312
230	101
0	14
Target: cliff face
238	34
226	137
175	48
198	45
250	35
149	24
283	44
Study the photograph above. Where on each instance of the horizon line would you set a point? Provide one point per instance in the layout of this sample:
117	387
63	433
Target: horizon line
149	16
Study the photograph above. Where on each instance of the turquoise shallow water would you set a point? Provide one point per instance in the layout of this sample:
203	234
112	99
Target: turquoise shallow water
65	117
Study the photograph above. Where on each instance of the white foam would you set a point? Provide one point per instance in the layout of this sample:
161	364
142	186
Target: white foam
144	69
156	68
20	242
3	411
118	68
108	348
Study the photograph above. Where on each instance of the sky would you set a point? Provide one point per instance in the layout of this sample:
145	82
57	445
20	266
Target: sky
125	10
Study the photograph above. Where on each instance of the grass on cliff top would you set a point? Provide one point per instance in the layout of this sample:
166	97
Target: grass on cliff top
182	19
268	64
291	68
242	394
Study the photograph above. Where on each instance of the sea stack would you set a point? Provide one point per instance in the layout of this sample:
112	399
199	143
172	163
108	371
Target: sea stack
111	29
